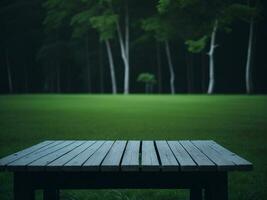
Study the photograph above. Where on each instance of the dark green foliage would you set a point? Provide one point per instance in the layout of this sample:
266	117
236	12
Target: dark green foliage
29	28
146	78
196	46
105	24
58	13
158	27
241	11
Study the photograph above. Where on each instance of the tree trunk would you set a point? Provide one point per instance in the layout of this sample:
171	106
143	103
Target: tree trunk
101	68
88	65
171	70
249	85
159	68
9	75
111	65
124	46
211	58
127	69
127	34
203	78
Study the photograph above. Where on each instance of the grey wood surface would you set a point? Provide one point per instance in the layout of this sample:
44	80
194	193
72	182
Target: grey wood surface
122	155
130	160
45	160
203	162
220	161
240	163
93	163
77	162
11	158
60	162
167	158
113	158
21	163
182	156
149	161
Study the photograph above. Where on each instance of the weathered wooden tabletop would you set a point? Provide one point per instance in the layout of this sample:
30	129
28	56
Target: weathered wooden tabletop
185	155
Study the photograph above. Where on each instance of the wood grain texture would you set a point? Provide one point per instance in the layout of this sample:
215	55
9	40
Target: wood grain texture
13	157
167	159
241	163
42	162
149	160
202	161
77	162
182	156
113	158
93	163
131	157
21	164
123	156
214	156
60	162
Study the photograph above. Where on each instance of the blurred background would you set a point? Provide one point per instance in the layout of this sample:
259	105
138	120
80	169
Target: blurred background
56	46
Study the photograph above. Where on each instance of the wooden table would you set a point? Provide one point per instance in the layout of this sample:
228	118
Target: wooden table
201	166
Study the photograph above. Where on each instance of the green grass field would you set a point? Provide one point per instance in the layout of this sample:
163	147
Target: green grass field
237	122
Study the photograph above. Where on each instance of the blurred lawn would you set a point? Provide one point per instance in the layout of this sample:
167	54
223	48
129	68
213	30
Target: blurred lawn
237	122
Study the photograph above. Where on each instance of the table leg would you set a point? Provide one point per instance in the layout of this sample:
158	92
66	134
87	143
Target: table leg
51	194
217	189
23	189
196	193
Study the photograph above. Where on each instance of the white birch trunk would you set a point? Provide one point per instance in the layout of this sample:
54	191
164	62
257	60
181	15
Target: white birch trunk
127	67
159	67
9	76
111	66
127	33
171	70
211	58
125	60
249	58
101	68
124	46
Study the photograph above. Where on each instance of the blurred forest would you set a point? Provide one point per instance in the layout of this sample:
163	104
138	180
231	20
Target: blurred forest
103	46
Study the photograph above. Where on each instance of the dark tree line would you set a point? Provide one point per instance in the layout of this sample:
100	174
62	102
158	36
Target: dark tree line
65	46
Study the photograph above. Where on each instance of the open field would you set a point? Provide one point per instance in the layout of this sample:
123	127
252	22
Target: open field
237	122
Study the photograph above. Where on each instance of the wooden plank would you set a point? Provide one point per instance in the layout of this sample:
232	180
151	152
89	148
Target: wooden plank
94	162
214	156
241	163
203	162
77	162
113	158
182	156
11	158
130	160
149	160
60	162
42	162
23	162
167	159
